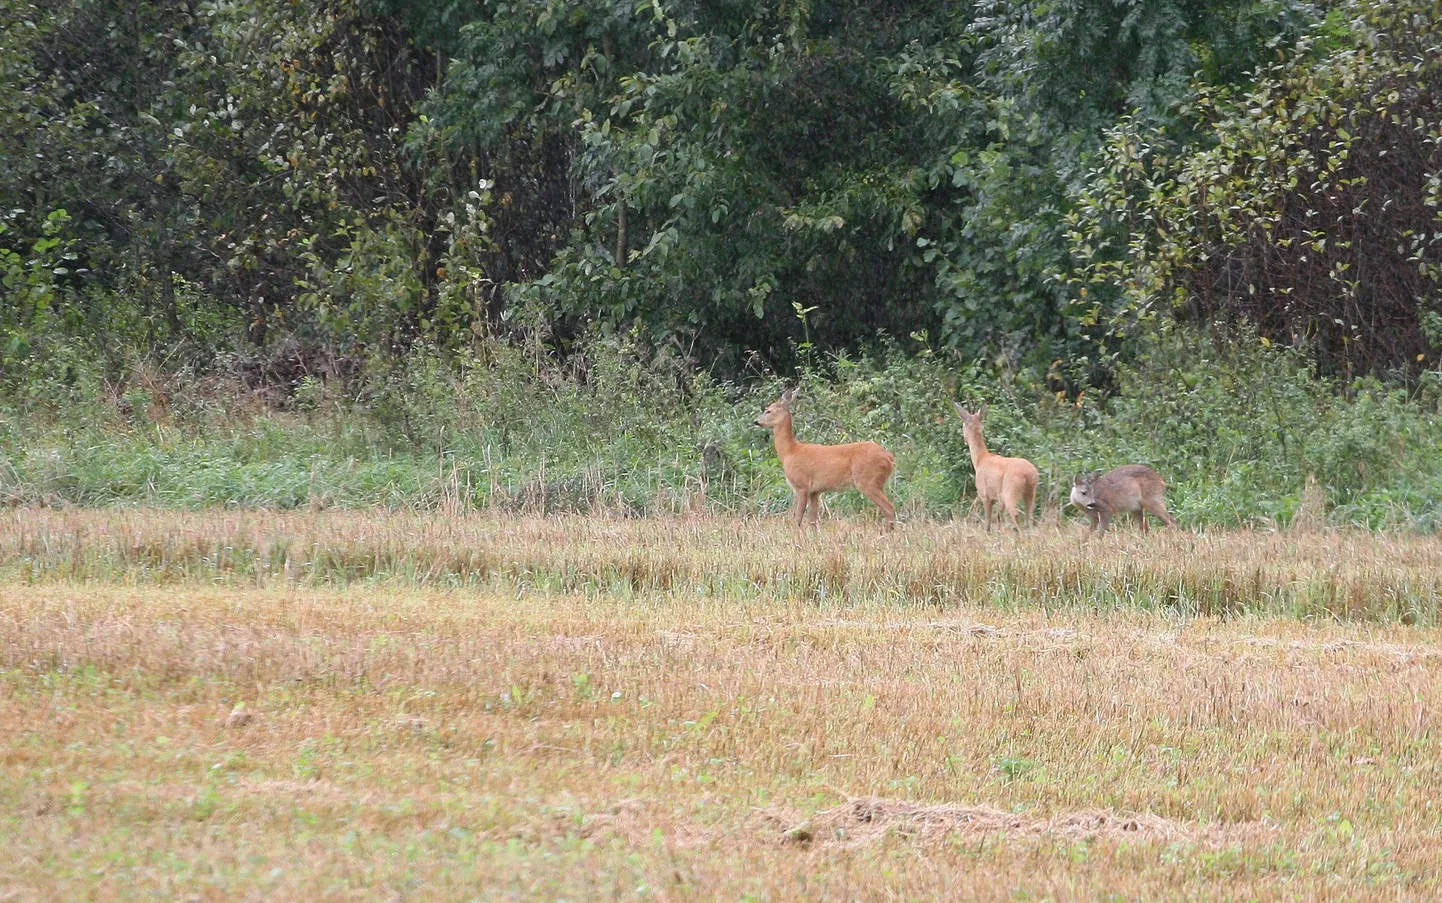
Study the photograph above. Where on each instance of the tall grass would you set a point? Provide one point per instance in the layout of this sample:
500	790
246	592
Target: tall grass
1237	430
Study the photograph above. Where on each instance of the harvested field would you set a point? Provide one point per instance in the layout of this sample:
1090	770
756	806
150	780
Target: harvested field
250	706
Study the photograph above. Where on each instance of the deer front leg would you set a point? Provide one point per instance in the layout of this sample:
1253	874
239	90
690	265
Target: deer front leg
800	507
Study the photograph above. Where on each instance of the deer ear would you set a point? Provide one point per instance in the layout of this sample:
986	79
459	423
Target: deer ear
982	412
1078	480
959	409
790	394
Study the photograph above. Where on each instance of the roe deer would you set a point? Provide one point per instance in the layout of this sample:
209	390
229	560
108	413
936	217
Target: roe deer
814	469
1011	481
1133	488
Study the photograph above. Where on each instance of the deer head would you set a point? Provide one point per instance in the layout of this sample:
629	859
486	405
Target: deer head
970	417
779	410
1083	491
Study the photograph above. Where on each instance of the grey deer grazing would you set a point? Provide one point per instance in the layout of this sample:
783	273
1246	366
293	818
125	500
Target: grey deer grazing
1132	488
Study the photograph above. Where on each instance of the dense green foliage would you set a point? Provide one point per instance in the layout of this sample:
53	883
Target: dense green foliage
1313	212
210	178
881	166
313	185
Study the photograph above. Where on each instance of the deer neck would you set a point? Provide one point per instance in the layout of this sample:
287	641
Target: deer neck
977	445
785	439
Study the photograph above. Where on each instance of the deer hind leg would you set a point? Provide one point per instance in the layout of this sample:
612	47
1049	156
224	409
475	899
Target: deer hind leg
878	497
1009	502
1158	509
1018	498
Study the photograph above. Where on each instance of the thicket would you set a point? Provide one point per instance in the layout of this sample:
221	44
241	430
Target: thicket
311	186
1311	212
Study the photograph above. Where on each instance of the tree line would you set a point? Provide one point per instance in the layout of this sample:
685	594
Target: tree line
300	187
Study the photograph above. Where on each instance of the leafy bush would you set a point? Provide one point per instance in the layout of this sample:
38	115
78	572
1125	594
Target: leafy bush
1311	210
351	179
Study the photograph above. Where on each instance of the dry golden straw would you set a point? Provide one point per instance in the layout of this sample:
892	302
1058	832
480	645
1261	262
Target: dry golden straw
351	707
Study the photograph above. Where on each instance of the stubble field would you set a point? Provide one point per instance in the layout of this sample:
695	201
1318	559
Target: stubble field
231	706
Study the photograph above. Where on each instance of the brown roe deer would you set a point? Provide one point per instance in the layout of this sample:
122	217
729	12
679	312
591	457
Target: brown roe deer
1134	488
814	469
1010	481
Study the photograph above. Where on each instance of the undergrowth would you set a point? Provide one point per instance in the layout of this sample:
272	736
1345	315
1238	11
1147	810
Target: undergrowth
1236	428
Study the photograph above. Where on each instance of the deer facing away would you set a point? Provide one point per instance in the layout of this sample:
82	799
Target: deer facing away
1010	481
813	469
1133	488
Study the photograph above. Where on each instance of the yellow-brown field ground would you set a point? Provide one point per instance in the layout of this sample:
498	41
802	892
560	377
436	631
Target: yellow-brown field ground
251	706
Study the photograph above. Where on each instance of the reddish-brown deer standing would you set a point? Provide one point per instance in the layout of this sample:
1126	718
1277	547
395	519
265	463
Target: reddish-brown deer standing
813	469
1010	481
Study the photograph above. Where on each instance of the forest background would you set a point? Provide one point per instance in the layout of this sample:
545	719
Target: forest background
555	256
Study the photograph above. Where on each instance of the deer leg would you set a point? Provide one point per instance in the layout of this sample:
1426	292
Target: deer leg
1011	509
879	499
1104	519
814	501
800	507
1159	511
986	507
1142	519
